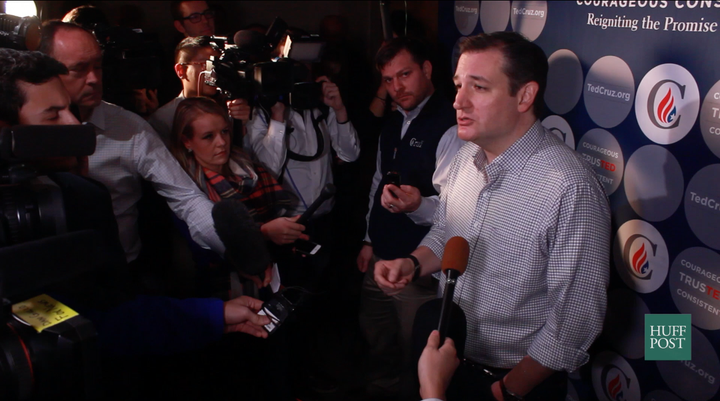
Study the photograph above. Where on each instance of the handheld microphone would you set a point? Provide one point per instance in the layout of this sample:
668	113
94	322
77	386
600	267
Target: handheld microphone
454	262
244	244
327	192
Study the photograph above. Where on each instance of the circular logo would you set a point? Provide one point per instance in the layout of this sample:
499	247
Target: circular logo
654	183
558	126
710	119
661	395
641	256
494	15
609	91
613	378
466	16
599	148
624	323
528	18
695	286
695	380
702	205
564	81
667	103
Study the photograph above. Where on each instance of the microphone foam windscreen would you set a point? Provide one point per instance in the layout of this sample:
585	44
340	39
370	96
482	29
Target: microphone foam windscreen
456	254
244	243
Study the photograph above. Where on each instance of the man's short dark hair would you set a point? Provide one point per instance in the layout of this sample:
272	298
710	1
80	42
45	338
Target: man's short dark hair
416	48
523	61
188	48
50	29
176	11
87	16
32	67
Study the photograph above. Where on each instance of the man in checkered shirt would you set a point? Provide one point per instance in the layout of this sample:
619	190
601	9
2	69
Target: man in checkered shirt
538	224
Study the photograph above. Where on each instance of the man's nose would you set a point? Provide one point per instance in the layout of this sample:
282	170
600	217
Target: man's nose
67	118
460	100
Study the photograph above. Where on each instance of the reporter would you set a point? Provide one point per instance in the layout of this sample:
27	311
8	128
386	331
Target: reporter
201	142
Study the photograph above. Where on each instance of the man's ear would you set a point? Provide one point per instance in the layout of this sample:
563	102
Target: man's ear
427	69
526	96
180	71
179	26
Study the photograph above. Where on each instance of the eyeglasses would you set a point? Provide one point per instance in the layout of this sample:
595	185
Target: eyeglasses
197	17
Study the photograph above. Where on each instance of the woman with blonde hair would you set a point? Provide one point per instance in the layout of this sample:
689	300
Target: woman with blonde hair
201	141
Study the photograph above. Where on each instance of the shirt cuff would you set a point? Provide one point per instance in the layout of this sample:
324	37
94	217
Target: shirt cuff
277	128
423	216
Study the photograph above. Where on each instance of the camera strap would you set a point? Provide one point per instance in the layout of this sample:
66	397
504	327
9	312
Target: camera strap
320	141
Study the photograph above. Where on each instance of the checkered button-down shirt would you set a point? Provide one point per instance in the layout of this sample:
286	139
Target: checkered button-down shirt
127	150
538	225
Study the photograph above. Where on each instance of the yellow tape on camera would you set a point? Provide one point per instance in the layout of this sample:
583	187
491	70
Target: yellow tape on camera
42	312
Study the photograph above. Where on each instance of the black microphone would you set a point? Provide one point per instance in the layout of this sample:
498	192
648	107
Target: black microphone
245	246
454	262
327	192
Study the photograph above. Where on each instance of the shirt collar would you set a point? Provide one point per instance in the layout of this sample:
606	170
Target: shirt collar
97	118
513	159
410	115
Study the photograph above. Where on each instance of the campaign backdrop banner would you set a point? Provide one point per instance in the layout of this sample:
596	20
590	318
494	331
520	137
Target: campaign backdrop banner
634	87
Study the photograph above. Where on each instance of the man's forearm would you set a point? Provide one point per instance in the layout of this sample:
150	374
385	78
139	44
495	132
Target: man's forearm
524	377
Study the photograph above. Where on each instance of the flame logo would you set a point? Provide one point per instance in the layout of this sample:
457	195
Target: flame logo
666	110
640	262
615	388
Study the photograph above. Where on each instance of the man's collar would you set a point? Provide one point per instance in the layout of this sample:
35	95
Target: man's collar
97	118
513	159
409	115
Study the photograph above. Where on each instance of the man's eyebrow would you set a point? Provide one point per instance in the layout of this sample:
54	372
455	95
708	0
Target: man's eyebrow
54	108
473	77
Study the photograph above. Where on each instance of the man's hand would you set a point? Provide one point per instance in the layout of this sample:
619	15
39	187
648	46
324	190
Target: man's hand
239	109
241	316
393	275
283	230
331	94
277	112
403	199
436	366
364	258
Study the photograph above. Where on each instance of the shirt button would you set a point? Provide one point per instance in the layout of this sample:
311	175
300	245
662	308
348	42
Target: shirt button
408	123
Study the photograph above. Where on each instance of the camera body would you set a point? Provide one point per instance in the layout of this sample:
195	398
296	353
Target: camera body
39	252
246	71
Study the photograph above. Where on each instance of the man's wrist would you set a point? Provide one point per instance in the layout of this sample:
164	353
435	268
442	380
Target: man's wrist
507	394
416	267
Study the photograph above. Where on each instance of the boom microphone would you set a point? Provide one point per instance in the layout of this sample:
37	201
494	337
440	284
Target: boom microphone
454	262
327	192
244	244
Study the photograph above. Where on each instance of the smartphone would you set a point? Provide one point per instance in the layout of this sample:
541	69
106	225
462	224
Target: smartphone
393	177
306	247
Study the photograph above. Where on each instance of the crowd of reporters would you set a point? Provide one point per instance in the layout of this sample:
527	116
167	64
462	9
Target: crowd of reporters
198	149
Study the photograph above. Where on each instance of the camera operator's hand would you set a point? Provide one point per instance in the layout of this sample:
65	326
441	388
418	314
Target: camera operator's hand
239	109
332	98
403	199
241	316
284	230
277	112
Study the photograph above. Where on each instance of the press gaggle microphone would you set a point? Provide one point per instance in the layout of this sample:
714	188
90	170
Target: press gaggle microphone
454	262
244	244
327	192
